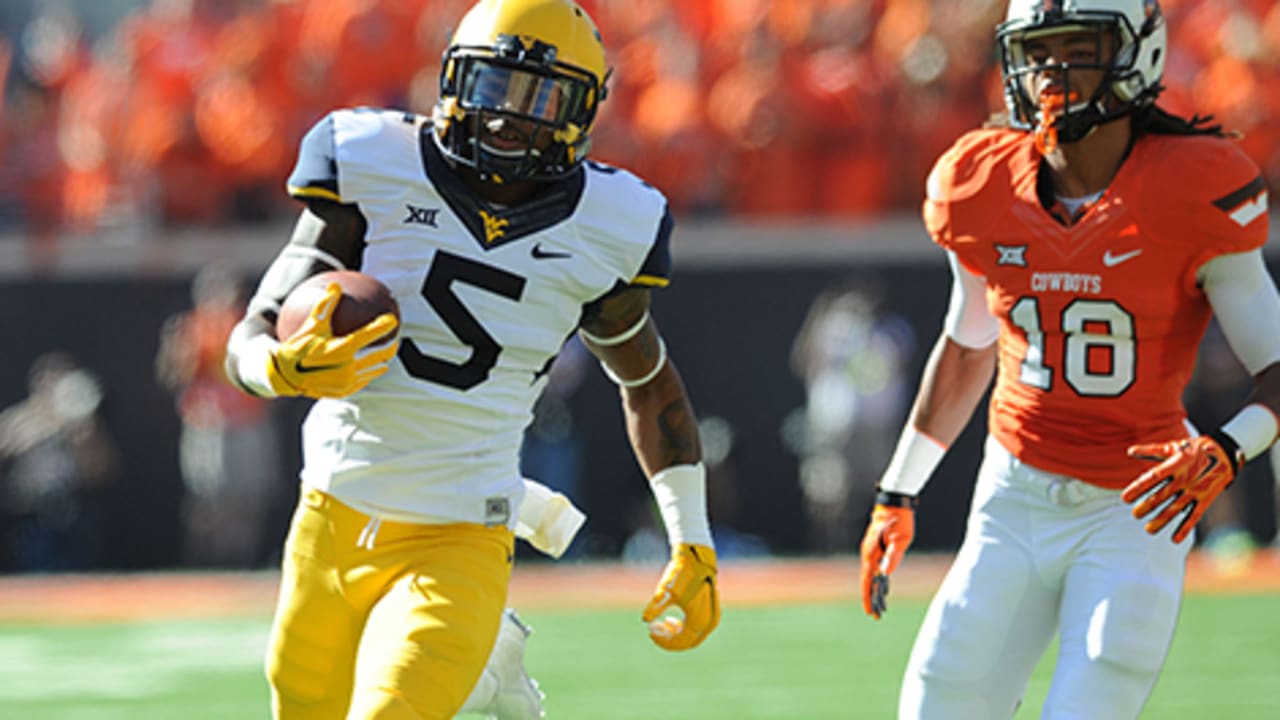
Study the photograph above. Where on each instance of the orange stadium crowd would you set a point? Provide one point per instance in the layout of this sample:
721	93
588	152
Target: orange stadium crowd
188	112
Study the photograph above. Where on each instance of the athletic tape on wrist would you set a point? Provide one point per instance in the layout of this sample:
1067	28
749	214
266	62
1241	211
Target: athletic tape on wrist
261	305
914	460
252	360
681	494
1254	429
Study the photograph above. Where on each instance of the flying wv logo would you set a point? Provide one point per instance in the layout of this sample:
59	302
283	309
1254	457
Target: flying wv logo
494	227
1246	204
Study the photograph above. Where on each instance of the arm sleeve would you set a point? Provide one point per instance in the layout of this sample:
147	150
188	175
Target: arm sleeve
1245	301
969	322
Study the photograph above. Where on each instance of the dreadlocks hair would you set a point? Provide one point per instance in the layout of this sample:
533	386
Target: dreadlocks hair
1148	120
1154	120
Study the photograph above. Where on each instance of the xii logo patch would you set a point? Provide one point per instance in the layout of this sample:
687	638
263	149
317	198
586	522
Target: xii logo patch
1012	255
420	215
494	227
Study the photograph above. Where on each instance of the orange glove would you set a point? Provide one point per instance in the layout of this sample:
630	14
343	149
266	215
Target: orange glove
892	528
689	583
1190	475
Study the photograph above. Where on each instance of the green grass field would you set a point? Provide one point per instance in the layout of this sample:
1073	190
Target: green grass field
797	662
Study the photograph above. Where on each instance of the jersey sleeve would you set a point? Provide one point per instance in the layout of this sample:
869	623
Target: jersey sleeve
964	192
315	175
656	270
936	209
629	225
1231	211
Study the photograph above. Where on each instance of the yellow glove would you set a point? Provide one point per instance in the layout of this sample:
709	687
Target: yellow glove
315	363
892	528
1189	477
689	584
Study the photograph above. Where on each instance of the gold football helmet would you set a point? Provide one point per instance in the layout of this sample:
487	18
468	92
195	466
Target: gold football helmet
519	88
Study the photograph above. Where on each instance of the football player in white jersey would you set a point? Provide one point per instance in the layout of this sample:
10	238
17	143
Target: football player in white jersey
499	240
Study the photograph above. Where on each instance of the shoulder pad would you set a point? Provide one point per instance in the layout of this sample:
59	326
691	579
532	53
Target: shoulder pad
315	175
328	143
631	221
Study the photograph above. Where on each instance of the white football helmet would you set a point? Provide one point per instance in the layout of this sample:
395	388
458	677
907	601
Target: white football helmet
1133	73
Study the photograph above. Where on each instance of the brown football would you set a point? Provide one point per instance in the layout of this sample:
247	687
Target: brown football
364	298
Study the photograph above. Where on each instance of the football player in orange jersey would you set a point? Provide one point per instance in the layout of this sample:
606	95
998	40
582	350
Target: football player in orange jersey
1090	237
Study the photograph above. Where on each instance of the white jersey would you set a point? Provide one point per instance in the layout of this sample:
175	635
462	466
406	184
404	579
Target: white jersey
487	297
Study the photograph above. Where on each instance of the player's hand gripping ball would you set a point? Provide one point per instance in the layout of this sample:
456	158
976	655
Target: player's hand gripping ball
689	584
337	332
363	299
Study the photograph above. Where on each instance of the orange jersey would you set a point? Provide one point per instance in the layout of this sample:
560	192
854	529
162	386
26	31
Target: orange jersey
1100	322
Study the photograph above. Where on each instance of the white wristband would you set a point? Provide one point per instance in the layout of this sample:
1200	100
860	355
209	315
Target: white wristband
914	460
681	494
1254	429
253	357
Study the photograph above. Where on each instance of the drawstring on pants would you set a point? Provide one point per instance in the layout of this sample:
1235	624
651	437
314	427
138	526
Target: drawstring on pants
369	533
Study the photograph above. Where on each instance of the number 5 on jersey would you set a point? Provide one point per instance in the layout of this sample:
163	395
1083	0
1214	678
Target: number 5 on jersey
446	269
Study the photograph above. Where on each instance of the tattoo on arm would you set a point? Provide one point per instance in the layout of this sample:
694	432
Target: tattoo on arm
679	433
647	344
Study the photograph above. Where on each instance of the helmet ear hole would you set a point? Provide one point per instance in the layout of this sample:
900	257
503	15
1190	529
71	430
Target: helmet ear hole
448	78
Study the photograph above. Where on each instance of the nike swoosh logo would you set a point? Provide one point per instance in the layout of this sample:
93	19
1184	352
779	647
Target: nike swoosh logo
1213	463
540	254
1110	260
313	368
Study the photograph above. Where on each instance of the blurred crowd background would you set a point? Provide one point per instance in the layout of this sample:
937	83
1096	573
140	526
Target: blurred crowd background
123	447
188	111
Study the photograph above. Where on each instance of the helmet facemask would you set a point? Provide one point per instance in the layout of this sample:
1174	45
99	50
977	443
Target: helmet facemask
513	112
1129	58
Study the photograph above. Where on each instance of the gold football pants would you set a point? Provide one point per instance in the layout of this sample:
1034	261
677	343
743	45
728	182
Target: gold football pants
383	620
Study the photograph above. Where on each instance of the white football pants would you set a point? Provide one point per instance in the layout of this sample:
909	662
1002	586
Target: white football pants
1045	553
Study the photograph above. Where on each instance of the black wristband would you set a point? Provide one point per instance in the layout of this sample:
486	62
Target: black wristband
889	498
1230	447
